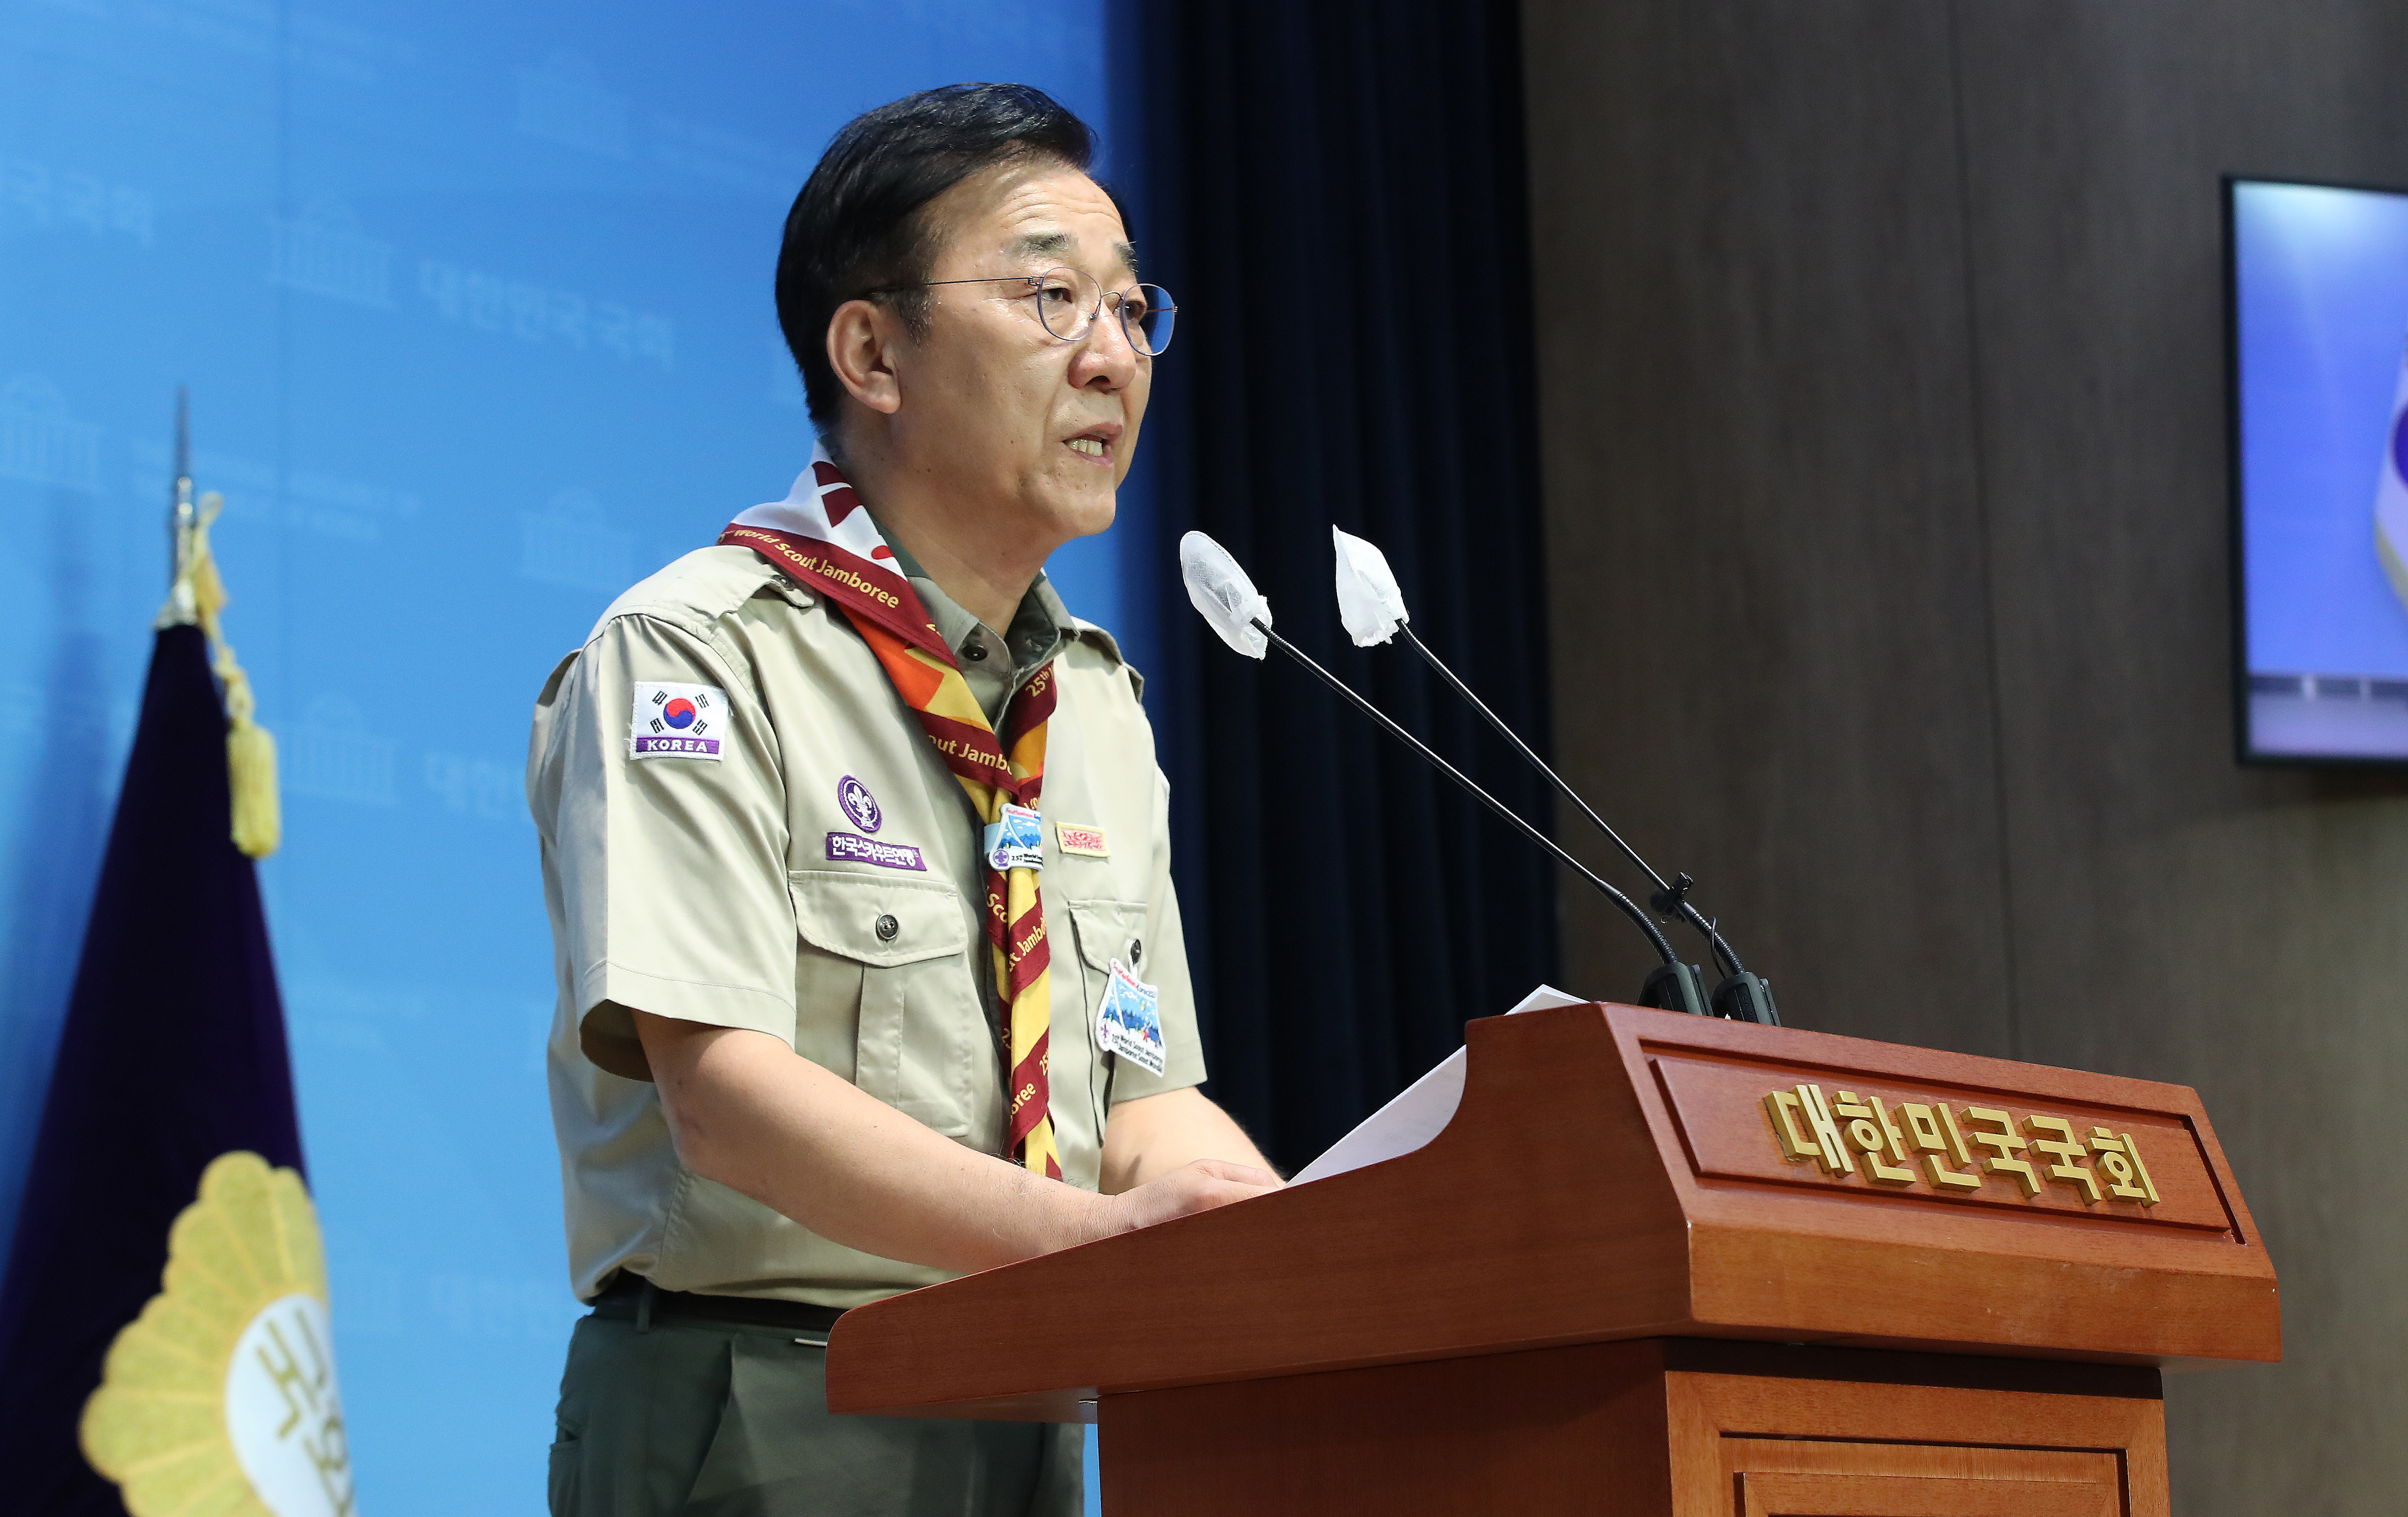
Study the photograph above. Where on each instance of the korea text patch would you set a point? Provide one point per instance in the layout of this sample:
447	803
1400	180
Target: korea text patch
677	721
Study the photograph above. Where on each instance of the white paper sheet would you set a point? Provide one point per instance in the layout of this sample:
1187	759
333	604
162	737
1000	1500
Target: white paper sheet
1419	1114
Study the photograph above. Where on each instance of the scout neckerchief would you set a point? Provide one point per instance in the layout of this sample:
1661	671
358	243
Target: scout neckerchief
820	538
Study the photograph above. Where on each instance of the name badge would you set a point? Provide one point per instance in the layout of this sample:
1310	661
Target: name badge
1017	840
1129	1023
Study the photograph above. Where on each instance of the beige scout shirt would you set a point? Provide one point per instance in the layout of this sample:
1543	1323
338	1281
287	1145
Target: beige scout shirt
704	889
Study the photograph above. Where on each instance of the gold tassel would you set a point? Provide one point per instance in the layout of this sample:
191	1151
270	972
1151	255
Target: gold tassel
250	751
250	766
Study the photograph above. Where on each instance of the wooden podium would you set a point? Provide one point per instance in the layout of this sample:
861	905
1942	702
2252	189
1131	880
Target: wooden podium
1656	1264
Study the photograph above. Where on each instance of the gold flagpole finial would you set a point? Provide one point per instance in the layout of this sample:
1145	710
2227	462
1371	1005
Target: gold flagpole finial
194	598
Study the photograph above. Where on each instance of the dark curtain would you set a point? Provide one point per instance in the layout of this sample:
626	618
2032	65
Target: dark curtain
1334	192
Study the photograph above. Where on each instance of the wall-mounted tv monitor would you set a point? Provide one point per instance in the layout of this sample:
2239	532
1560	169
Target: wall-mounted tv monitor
2319	293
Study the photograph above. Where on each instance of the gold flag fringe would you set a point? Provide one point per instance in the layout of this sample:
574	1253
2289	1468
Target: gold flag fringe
199	595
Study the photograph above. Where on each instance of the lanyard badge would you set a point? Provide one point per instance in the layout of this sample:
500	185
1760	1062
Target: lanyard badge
1016	841
1129	1023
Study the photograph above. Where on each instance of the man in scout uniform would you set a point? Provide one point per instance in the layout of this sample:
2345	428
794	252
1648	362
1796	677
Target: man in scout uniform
857	858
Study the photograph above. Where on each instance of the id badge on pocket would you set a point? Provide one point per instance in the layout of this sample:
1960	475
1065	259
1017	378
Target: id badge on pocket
1017	841
1129	1023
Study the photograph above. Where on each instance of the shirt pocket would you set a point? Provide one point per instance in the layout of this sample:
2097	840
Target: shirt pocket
892	952
1106	930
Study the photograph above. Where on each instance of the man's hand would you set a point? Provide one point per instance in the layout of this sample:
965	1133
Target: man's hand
1195	1187
744	1111
1146	1139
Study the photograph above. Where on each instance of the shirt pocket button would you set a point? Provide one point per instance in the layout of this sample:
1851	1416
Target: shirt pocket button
888	928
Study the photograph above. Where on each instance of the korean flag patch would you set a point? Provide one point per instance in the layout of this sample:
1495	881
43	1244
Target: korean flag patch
677	721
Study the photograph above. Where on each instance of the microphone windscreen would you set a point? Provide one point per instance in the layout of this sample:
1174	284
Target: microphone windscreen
1368	601
1223	594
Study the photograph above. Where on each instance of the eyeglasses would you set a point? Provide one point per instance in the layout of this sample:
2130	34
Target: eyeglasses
1068	300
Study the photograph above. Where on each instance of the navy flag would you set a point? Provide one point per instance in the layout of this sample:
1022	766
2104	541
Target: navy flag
164	1336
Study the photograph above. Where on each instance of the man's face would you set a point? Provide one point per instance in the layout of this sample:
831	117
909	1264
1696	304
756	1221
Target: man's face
998	410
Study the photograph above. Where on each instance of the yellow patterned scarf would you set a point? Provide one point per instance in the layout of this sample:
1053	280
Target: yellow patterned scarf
820	537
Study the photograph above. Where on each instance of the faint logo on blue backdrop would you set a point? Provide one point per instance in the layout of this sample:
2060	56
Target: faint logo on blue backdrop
38	194
570	542
40	442
475	786
310	500
385	1302
522	1309
341	1014
322	252
564	100
337	507
311	41
27	712
331	755
728	158
532	312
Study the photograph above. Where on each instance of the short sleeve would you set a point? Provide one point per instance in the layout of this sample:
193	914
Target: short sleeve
658	775
1167	969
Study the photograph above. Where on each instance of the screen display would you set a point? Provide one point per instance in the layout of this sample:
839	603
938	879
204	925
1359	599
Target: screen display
2319	290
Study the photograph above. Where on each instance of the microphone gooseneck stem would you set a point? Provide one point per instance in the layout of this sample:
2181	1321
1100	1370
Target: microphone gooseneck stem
1721	949
1630	908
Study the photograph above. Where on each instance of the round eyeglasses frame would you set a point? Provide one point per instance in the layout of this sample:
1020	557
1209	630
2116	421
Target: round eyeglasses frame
1150	346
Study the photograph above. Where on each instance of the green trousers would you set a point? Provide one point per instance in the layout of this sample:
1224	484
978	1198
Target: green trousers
732	1421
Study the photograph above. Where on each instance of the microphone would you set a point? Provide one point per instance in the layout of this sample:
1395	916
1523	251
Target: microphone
1373	611
1229	604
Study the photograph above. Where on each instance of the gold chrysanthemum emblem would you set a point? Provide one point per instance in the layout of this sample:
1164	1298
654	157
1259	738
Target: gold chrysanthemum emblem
220	1399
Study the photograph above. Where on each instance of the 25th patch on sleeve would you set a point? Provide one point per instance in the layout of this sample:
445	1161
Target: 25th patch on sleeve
676	721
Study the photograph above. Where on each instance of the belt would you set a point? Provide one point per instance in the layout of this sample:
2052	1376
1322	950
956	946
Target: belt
634	1297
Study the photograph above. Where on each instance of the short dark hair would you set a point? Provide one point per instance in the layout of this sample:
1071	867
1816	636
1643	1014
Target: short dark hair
858	224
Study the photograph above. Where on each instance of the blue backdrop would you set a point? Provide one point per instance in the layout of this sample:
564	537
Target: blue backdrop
474	302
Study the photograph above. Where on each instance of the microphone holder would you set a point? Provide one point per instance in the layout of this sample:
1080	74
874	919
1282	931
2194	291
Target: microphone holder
1741	996
1671	977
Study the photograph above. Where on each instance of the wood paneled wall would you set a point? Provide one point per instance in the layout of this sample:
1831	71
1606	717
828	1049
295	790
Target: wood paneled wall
1882	400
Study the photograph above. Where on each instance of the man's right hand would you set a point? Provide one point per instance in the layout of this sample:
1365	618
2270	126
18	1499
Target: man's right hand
1194	1187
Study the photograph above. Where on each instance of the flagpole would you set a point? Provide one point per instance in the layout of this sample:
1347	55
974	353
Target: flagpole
179	497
